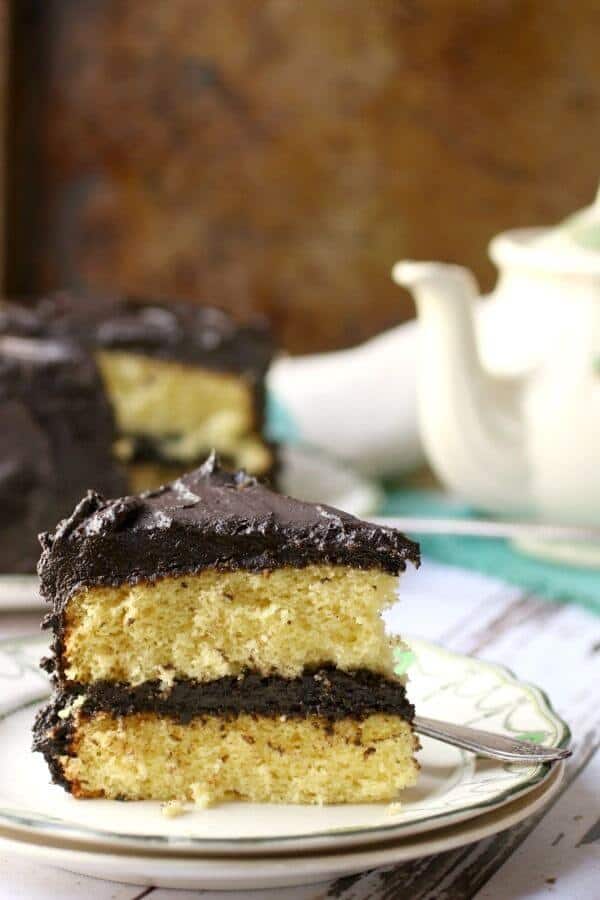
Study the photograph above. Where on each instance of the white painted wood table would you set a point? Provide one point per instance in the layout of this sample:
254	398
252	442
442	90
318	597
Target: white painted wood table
554	854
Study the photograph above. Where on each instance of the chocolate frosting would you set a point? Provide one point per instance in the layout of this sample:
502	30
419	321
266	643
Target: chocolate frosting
181	331
327	692
52	410
207	518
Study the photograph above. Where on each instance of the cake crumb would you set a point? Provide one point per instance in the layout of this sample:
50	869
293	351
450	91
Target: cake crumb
166	675
71	707
200	796
173	808
393	809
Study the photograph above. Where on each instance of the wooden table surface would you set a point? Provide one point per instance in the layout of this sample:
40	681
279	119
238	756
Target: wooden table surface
552	854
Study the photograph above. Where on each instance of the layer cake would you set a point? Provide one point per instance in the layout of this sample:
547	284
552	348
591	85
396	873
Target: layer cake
216	640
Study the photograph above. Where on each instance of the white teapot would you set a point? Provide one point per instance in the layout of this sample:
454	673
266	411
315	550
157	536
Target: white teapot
525	442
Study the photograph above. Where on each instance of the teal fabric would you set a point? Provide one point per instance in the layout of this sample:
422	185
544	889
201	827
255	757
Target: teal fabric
493	557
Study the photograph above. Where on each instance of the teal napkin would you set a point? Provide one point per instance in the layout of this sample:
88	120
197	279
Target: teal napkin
554	581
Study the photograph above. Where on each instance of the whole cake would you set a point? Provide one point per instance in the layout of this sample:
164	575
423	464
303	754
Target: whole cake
56	438
216	640
139	393
182	378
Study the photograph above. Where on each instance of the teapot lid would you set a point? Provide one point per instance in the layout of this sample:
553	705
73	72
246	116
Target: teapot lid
571	246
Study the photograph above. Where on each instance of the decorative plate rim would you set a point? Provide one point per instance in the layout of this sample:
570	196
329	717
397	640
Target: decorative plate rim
368	856
43	824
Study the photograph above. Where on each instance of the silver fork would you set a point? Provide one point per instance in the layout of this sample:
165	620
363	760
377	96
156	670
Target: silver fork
486	743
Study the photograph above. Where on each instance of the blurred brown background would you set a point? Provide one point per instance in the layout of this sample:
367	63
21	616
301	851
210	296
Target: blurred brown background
280	155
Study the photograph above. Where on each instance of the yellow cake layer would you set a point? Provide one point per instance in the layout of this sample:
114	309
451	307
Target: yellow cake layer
146	757
223	623
190	409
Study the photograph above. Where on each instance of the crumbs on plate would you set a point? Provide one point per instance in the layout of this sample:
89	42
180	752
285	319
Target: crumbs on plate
173	808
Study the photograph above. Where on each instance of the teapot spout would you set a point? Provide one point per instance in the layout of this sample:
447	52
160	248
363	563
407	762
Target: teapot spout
470	421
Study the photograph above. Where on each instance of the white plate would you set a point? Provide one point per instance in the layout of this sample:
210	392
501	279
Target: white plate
453	785
305	474
254	873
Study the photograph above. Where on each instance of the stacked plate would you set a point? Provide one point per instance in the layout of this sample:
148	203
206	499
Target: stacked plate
459	798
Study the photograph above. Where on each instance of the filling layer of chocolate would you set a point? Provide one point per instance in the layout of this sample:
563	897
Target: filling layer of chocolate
327	692
148	448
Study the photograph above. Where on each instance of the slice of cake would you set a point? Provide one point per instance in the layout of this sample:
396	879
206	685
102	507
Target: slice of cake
217	640
182	378
56	437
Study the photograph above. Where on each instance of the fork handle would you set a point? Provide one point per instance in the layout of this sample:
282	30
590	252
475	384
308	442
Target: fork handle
486	743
